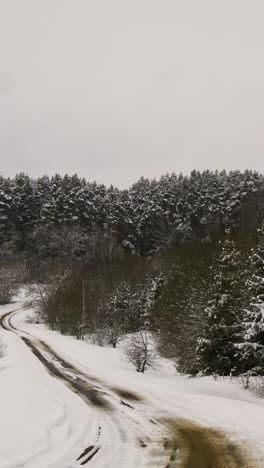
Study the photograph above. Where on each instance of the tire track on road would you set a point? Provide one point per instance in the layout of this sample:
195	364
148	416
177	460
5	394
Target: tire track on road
114	414
165	443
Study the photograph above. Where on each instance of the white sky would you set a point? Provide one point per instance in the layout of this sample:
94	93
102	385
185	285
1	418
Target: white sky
116	89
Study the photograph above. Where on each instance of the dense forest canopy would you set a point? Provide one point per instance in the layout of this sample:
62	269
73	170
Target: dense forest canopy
150	216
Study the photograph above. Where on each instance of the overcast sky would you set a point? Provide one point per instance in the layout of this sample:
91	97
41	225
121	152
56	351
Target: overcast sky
116	89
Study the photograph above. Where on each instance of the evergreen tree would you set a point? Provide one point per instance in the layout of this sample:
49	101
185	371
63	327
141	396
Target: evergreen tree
178	316
43	200
117	313
25	212
252	347
6	208
217	349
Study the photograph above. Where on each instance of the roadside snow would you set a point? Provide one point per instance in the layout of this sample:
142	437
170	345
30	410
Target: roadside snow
220	404
42	423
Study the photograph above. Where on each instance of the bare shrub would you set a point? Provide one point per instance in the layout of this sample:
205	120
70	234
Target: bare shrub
259	386
253	383
39	294
114	334
140	351
98	338
10	280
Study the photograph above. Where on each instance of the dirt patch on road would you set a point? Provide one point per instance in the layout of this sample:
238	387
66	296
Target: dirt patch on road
126	394
194	446
81	387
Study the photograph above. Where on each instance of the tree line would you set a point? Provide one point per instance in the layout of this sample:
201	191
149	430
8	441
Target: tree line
148	217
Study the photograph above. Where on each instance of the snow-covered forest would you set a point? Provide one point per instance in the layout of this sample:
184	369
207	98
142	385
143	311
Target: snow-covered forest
181	257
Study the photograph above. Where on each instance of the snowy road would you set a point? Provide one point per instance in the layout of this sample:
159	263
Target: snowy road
111	421
125	434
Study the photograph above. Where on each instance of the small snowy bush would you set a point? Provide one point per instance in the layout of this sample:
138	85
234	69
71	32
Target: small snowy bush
10	278
140	351
253	383
98	338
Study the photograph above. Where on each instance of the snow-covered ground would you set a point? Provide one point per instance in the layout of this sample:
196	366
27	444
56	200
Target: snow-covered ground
41	421
44	424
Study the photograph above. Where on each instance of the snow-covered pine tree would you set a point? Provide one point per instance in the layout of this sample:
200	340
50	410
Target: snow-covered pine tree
178	316
42	199
117	313
217	352
144	298
6	208
25	213
252	347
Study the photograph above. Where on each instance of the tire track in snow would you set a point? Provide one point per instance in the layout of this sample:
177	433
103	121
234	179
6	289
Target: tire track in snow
118	444
128	435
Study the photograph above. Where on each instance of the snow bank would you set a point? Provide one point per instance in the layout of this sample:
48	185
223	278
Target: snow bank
215	403
42	423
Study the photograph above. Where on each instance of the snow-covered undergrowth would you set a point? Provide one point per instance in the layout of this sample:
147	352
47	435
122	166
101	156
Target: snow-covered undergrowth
254	384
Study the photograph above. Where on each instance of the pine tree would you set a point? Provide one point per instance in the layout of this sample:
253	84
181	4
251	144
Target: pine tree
43	199
6	208
252	347
178	316
117	313
25	212
217	349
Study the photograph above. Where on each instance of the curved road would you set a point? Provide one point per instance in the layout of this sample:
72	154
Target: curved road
128	435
